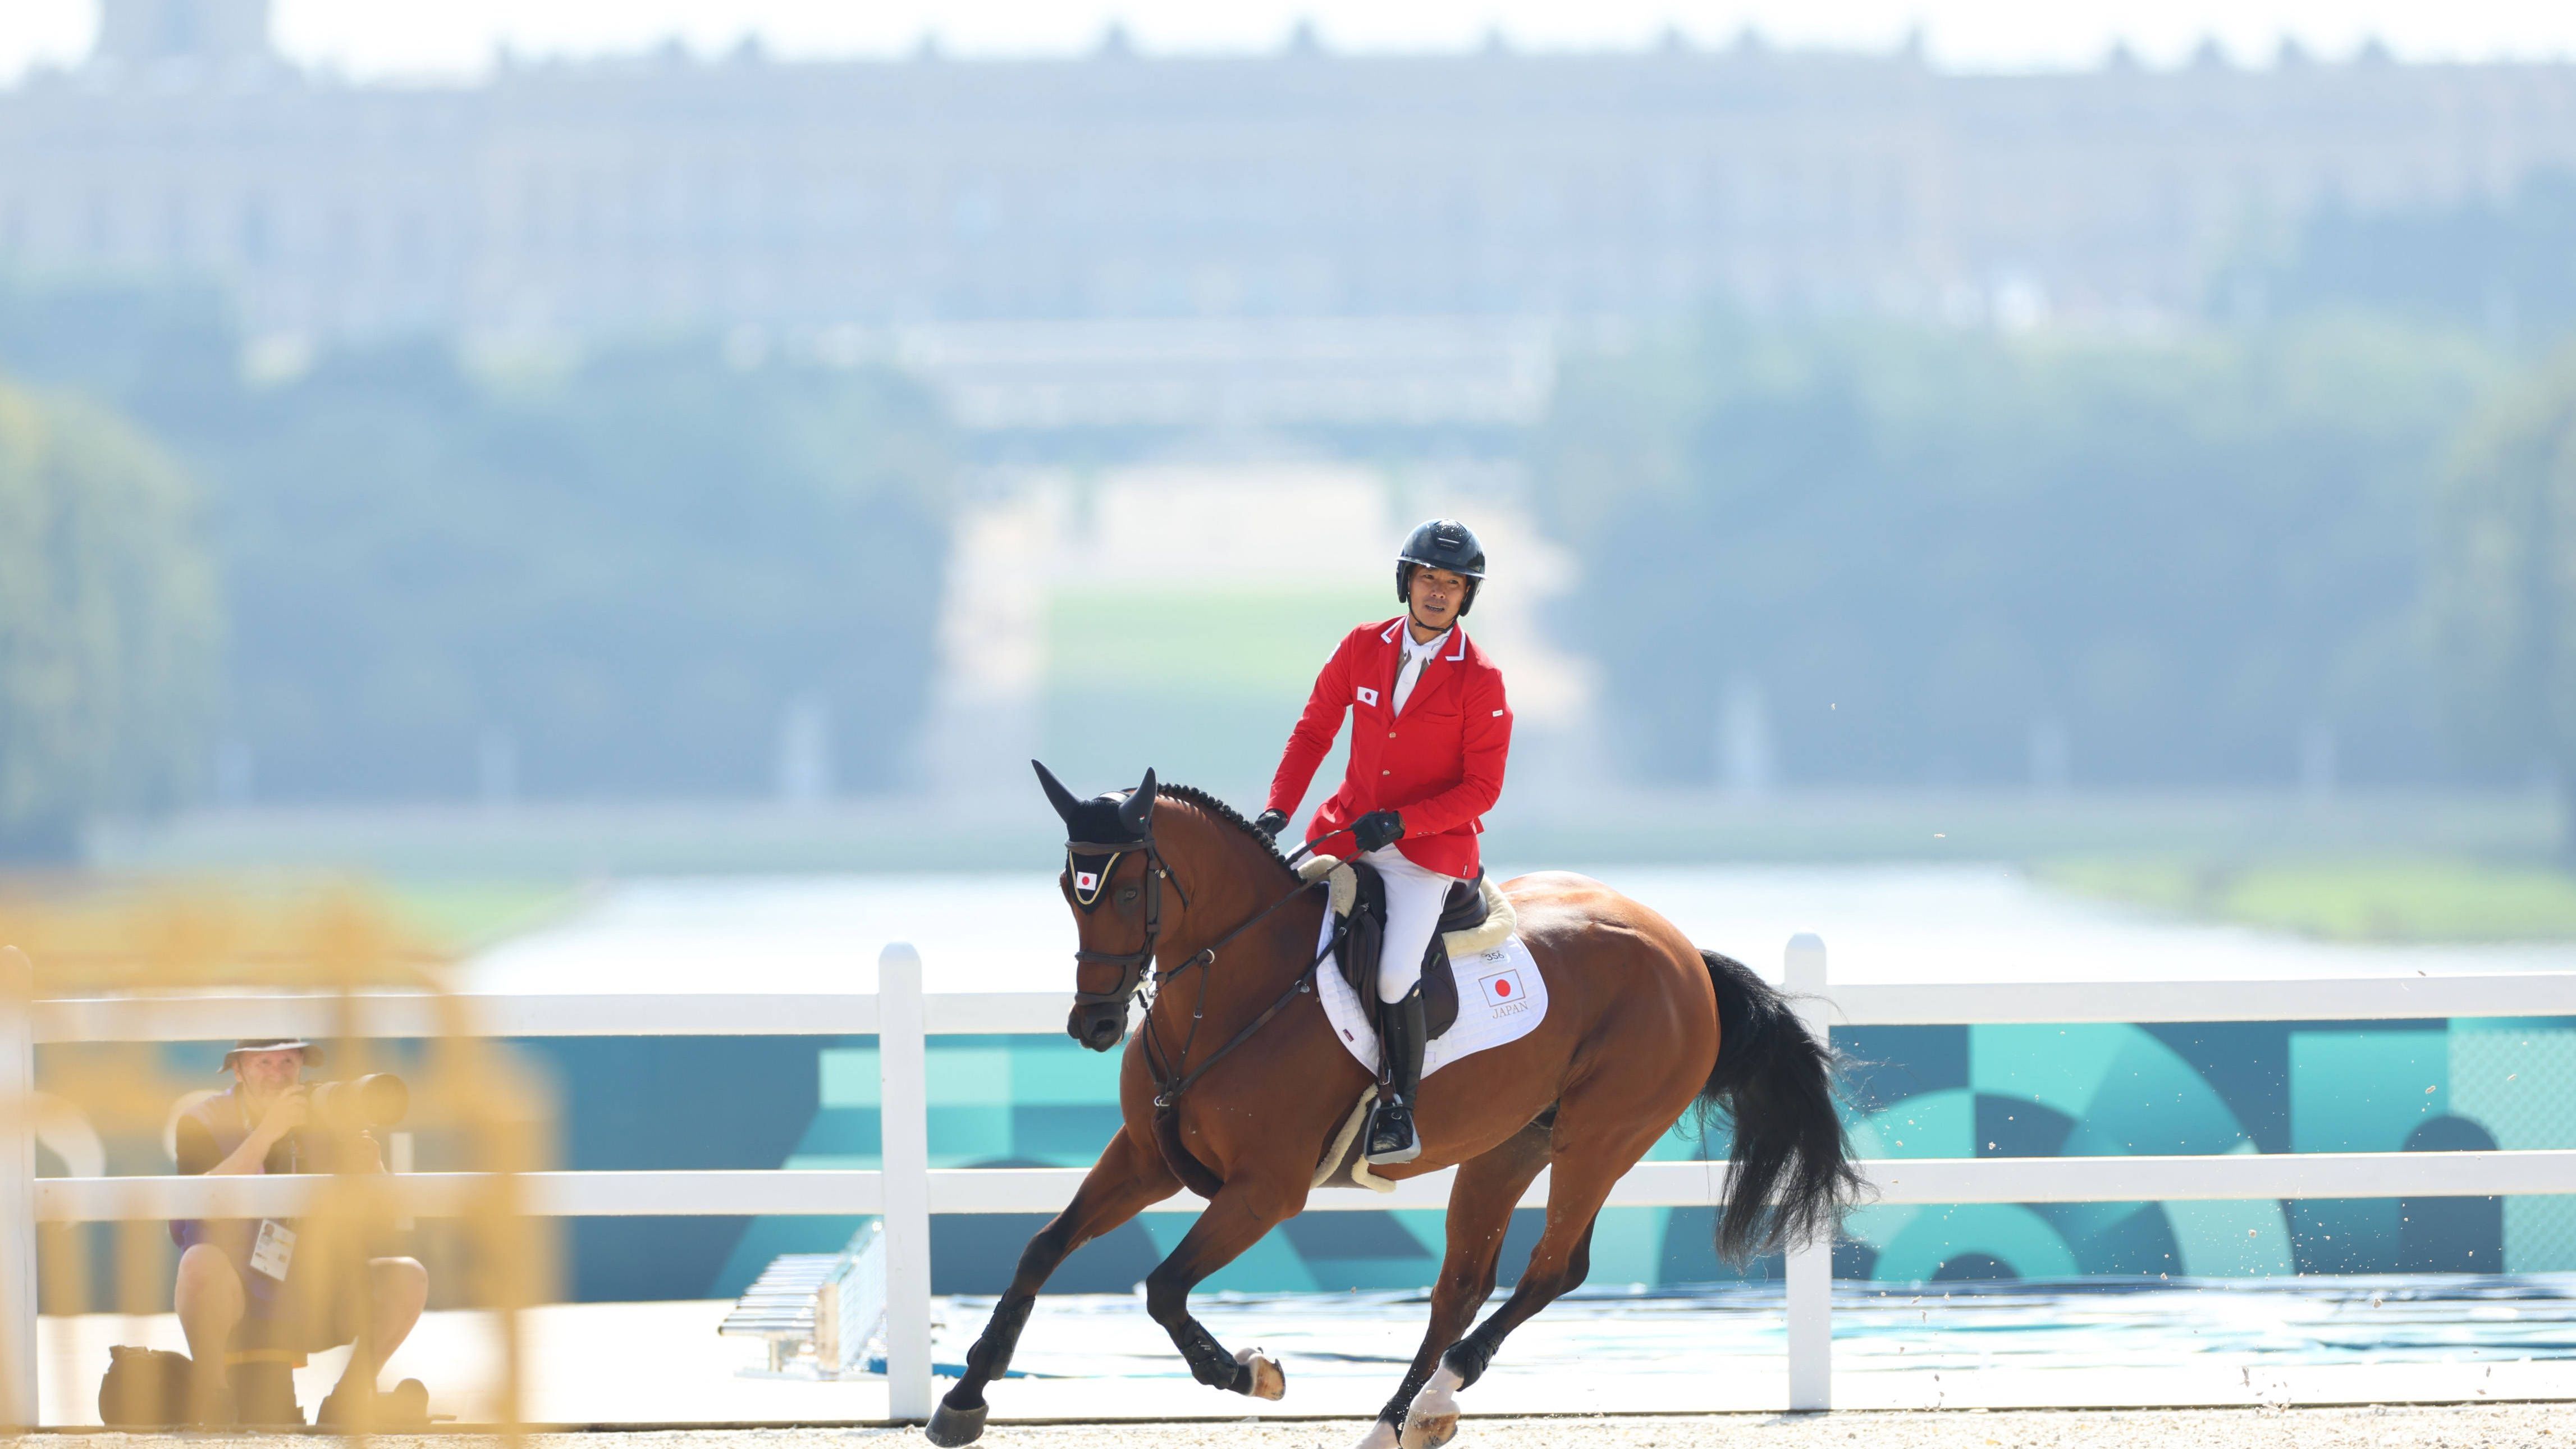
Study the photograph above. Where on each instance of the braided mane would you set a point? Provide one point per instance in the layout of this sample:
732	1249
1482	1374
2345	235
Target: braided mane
1192	795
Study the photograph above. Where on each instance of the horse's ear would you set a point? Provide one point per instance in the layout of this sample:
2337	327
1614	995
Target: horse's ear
1138	809
1057	796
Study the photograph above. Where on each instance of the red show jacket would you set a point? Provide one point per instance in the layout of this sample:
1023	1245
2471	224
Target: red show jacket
1439	764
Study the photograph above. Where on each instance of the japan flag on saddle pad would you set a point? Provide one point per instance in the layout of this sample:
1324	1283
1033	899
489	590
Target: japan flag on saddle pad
1502	997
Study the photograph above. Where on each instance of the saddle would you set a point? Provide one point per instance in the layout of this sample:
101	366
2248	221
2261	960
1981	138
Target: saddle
1359	946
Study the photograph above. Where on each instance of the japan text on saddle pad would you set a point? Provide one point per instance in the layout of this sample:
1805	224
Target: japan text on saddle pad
1501	998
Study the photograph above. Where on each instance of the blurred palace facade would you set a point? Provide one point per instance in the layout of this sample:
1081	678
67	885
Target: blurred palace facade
666	190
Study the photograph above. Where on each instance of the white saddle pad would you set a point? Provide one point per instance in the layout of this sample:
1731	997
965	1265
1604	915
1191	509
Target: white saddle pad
1501	998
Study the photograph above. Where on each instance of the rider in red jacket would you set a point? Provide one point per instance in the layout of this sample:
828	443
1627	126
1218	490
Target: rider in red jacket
1429	732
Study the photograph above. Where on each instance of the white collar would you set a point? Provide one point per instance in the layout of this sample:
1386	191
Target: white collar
1400	628
1428	647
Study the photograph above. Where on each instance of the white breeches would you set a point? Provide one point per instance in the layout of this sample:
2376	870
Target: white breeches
1414	896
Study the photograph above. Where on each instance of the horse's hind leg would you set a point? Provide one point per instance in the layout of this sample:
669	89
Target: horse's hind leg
1581	1183
1480	1212
1243	1210
1126	1178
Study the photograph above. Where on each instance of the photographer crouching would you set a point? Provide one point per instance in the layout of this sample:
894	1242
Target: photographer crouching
250	1304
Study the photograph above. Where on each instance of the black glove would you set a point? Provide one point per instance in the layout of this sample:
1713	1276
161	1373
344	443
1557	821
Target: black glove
1270	822
1378	829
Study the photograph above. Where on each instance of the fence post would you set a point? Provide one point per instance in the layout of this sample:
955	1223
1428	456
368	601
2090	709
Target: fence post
904	1136
1811	1265
17	1191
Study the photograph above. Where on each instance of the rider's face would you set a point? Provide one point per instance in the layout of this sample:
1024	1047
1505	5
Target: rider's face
1437	593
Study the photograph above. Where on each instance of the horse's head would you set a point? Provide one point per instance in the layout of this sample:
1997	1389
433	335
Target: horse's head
1113	878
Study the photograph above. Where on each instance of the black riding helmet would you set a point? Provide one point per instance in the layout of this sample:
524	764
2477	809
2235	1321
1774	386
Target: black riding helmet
1442	543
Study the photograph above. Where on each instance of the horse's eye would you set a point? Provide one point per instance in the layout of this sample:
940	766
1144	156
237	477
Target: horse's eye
1128	894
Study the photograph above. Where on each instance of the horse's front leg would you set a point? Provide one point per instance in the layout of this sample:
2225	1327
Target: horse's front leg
1243	1210
1128	1177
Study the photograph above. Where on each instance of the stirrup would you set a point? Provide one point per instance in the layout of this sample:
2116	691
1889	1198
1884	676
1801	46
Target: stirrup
1409	1149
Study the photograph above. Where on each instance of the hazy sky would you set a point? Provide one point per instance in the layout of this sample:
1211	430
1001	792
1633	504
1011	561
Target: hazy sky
455	37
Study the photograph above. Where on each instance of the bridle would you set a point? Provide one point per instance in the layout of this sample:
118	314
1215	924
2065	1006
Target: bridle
1132	965
1136	969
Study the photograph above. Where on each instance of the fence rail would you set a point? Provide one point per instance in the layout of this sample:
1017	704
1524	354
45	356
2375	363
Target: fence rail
1026	1013
833	1192
907	1191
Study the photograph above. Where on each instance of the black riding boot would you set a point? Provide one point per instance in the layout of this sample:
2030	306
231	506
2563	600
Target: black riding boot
1400	1035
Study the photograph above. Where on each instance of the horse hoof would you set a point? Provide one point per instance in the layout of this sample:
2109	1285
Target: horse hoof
1380	1435
951	1427
1429	1427
1269	1380
1433	1418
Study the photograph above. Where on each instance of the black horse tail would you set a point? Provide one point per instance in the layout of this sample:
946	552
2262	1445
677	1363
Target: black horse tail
1790	1178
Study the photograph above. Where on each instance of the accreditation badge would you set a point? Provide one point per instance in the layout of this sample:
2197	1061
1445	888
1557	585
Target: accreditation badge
274	1250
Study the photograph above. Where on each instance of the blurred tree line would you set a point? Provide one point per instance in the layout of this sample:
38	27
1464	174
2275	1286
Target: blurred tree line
108	623
2334	531
2504	581
1945	555
2504	266
630	574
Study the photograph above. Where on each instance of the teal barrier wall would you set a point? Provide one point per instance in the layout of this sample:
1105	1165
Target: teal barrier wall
1916	1092
1964	1091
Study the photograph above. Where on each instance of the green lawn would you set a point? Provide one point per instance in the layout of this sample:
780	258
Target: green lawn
2349	900
1240	642
460	917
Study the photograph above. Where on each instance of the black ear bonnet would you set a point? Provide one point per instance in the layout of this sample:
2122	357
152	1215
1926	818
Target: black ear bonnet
1098	833
1089	869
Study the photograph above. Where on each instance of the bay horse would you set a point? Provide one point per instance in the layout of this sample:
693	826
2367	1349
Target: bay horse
1236	1084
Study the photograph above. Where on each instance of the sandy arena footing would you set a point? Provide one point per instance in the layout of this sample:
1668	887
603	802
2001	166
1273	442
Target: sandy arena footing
1100	1360
2468	1426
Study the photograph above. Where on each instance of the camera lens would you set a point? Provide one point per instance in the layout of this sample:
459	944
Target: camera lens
378	1099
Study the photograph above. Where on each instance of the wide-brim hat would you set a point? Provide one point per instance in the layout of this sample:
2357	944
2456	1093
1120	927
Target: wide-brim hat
312	1050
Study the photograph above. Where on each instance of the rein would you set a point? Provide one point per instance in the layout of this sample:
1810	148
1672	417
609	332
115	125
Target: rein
1171	1092
1169	1079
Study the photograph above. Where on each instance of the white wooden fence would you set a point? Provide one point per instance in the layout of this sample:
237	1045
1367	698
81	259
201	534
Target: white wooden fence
907	1191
